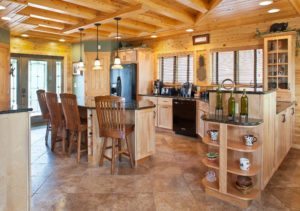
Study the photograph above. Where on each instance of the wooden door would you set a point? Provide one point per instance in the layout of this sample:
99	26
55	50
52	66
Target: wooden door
4	75
97	82
165	116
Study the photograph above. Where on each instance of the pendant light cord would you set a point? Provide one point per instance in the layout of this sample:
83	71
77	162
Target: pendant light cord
118	38
97	42
81	44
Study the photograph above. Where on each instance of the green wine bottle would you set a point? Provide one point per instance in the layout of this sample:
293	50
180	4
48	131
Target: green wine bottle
244	104
219	100
231	107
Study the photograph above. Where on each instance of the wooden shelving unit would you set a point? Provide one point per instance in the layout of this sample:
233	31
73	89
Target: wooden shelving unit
231	147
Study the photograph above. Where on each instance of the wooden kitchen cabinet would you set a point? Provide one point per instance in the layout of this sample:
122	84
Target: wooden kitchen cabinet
202	109
128	56
154	101
165	113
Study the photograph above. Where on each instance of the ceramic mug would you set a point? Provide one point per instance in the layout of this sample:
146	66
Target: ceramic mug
244	164
211	176
213	134
250	140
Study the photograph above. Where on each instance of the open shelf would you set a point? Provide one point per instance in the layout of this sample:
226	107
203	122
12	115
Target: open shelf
211	164
232	191
234	168
209	142
211	185
241	147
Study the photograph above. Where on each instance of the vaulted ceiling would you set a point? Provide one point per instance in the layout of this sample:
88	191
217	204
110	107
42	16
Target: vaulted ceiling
61	19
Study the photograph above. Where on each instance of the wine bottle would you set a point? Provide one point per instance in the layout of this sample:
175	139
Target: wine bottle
231	107
244	104
219	100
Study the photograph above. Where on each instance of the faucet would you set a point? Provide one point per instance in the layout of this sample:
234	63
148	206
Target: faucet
229	86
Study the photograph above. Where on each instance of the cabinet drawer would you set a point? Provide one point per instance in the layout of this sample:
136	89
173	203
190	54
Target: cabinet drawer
165	101
152	99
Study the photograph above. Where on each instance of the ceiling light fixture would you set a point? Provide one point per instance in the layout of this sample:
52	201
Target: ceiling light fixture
6	18
97	63
2	7
24	35
81	63
117	61
62	40
189	30
153	36
266	2
275	10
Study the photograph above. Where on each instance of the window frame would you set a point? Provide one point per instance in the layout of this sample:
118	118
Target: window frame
236	63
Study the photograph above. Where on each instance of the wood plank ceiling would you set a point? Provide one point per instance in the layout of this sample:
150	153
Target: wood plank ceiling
61	19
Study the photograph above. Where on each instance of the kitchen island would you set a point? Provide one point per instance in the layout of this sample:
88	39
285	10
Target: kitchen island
141	114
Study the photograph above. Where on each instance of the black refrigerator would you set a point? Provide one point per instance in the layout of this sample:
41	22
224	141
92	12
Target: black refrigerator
123	82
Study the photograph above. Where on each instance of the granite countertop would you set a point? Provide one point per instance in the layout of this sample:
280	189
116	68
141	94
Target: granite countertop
281	106
134	105
240	90
237	121
15	109
175	97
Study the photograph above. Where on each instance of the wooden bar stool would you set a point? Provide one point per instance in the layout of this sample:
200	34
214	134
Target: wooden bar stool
45	112
58	128
111	117
73	123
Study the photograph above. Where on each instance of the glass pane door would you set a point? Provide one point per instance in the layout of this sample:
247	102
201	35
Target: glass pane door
58	70
13	82
37	79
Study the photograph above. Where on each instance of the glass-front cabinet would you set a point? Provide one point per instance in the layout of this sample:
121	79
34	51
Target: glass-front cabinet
279	67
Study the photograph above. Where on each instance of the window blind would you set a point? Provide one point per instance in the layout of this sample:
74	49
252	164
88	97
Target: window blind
168	69
226	65
246	66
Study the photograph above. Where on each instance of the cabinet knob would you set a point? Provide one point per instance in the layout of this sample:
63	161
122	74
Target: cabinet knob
90	133
283	118
154	114
293	111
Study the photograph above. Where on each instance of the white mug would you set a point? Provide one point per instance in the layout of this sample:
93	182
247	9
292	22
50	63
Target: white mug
213	134
244	164
250	140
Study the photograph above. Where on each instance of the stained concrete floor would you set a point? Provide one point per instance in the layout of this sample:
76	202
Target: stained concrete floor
170	180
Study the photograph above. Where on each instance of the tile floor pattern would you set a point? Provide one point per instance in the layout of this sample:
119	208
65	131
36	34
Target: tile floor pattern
170	180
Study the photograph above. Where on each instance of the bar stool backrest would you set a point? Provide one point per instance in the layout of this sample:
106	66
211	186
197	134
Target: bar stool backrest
71	112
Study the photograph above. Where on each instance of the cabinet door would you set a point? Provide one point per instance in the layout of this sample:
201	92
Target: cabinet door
129	56
200	123
154	101
291	126
165	116
145	133
281	138
4	75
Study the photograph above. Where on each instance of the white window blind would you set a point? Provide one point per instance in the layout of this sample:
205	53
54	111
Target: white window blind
242	66
226	65
178	69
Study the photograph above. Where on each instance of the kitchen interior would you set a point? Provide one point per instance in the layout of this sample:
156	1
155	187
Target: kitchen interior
149	105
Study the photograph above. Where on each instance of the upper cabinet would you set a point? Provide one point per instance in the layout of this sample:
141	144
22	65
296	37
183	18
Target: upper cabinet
279	64
128	56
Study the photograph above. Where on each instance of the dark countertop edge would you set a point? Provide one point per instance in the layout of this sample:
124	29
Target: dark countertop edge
284	106
247	92
248	124
18	110
174	97
128	108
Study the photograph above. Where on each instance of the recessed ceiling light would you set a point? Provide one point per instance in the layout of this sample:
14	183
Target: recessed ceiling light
153	36
189	30
6	18
118	37
265	3
275	10
62	40
24	35
2	7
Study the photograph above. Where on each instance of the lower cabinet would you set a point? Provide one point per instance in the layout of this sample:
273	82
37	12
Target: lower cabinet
284	131
165	116
154	101
202	109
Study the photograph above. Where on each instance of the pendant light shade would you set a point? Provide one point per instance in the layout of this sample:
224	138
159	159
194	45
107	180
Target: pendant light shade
81	63
97	63
117	61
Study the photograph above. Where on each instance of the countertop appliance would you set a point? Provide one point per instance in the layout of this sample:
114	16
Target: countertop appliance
157	86
123	82
184	117
187	90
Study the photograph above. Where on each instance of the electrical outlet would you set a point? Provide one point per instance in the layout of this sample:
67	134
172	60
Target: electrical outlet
99	47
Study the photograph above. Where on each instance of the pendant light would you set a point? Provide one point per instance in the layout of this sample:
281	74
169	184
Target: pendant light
81	63
117	61
97	63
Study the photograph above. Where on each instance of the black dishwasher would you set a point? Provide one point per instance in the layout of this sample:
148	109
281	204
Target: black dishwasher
184	117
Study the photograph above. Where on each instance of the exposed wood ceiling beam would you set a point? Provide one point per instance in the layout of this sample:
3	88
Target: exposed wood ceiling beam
133	24
199	5
43	35
44	23
122	30
47	15
160	21
51	31
61	7
104	5
125	13
212	6
168	11
296	5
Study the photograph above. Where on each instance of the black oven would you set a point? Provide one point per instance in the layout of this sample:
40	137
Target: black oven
184	117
